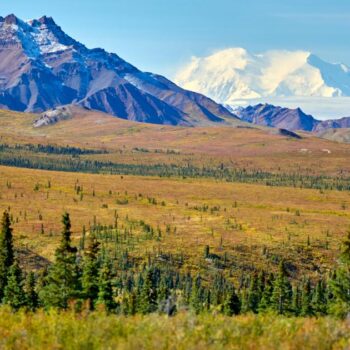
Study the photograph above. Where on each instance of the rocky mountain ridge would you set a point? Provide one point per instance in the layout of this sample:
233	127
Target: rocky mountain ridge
42	68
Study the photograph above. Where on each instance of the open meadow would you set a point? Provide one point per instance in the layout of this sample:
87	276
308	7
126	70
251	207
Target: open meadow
249	226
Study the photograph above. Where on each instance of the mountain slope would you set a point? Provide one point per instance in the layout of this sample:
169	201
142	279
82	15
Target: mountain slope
338	135
278	117
234	74
250	148
333	124
295	119
41	68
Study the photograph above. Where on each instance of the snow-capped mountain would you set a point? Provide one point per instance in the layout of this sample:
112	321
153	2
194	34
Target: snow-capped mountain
232	75
41	68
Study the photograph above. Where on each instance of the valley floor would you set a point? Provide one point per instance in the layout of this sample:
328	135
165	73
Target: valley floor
247	226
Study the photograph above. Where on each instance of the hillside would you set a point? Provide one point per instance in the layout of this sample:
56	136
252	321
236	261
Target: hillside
294	120
278	117
243	147
338	135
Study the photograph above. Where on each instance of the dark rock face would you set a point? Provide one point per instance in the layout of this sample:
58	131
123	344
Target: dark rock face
289	119
333	124
42	68
278	117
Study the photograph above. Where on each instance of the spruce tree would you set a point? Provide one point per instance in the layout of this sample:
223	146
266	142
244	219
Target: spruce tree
14	294
253	296
265	301
90	278
296	300
232	304
261	283
281	298
130	301
148	295
206	252
196	295
207	299
6	251
319	299
62	281
105	295
40	284
306	308
340	284
162	294
345	255
32	301
244	300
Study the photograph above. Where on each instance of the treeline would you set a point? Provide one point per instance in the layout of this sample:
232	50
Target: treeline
51	149
90	278
75	162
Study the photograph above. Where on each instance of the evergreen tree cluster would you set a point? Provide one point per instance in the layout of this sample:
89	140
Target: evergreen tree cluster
91	278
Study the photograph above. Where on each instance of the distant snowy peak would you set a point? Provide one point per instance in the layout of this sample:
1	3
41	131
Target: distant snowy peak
235	74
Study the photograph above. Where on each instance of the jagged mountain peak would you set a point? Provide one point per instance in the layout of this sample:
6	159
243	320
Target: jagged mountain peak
41	67
47	20
36	37
11	19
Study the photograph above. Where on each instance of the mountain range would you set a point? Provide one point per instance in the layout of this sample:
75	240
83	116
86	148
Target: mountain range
286	118
234	74
41	68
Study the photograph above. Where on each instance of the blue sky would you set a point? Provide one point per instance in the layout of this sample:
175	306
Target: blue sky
160	35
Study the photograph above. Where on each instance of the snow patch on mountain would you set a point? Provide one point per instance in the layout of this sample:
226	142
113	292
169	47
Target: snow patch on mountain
37	37
46	40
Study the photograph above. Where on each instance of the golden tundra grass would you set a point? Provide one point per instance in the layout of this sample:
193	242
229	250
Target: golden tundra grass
67	330
254	217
